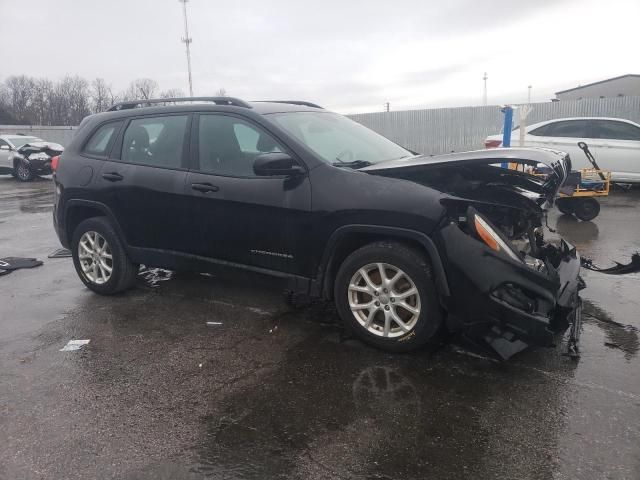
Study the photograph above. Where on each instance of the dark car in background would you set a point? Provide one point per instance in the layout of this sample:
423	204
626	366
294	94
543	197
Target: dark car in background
404	244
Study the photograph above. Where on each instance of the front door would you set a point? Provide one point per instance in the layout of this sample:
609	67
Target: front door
146	183
241	217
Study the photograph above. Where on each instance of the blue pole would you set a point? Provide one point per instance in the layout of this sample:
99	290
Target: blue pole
506	130
508	121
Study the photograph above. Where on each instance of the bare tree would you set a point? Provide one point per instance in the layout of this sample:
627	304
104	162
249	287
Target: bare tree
20	90
141	89
40	111
172	93
222	92
101	95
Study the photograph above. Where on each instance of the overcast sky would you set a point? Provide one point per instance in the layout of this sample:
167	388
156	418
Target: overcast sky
350	56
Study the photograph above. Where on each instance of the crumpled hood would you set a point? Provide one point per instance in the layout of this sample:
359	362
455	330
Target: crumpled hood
483	167
49	148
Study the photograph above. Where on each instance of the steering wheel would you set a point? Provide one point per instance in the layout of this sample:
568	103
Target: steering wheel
348	154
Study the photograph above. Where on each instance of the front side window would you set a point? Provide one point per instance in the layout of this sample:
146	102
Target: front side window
101	140
336	139
229	146
610	129
569	128
155	141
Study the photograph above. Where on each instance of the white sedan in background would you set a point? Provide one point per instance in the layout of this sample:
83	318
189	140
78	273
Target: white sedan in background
614	142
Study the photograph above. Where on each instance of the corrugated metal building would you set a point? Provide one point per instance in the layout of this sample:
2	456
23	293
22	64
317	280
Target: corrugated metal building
622	86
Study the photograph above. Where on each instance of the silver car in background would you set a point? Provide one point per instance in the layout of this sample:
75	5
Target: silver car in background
25	156
615	142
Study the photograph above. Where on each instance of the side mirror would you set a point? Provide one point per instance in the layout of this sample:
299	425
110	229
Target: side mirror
275	164
5	147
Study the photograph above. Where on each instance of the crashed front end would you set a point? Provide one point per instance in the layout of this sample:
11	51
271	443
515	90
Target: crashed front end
510	292
38	155
510	286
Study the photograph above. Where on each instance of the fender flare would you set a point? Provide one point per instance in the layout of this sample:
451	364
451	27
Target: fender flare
440	276
70	204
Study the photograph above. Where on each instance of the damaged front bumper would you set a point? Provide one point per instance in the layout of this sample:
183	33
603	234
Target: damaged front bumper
506	304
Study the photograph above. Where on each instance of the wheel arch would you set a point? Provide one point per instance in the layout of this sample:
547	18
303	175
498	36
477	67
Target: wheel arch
78	210
349	238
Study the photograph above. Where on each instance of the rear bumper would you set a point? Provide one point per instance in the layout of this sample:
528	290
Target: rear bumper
506	304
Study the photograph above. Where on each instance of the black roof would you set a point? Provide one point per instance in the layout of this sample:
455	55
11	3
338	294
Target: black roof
598	83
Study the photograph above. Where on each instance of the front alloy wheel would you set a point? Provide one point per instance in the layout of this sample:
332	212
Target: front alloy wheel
23	172
96	259
384	300
385	295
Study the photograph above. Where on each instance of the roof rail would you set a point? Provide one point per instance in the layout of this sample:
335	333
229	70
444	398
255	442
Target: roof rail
293	102
236	102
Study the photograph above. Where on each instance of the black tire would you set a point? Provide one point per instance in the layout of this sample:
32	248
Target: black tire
22	171
565	205
417	268
586	209
124	271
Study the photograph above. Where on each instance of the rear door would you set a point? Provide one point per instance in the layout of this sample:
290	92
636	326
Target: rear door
564	135
241	217
145	182
617	148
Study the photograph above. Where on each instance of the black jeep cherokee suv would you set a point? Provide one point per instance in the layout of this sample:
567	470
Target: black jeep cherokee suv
403	243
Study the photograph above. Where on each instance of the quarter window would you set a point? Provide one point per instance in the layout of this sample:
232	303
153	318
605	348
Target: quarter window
155	141
228	145
569	128
613	130
101	140
542	131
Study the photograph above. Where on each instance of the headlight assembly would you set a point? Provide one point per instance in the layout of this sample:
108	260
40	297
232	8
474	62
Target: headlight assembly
490	235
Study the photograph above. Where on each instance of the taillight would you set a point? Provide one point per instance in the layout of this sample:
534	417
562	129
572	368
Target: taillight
54	162
492	143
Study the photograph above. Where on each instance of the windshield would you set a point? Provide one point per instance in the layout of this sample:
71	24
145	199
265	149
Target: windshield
336	139
20	141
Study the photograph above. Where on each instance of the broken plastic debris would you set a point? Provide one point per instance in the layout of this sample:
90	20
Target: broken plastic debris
619	269
73	345
60	253
199	365
211	324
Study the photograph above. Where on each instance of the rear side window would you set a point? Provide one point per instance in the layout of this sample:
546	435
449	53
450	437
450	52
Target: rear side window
155	141
613	130
100	142
541	131
568	128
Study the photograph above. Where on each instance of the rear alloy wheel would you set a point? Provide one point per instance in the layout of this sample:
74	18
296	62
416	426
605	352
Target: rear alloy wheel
23	171
100	258
586	209
385	295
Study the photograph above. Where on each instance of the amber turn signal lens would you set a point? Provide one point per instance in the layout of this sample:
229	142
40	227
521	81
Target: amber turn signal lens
483	231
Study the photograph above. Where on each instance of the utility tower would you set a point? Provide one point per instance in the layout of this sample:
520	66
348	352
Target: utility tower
484	92
529	95
187	41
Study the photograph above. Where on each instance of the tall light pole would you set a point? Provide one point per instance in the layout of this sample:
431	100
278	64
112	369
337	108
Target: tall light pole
484	93
187	41
529	95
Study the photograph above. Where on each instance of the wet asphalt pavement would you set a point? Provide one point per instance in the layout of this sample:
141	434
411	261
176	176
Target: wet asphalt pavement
275	392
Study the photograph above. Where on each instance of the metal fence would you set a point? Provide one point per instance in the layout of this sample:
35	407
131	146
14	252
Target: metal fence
444	130
433	131
61	135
